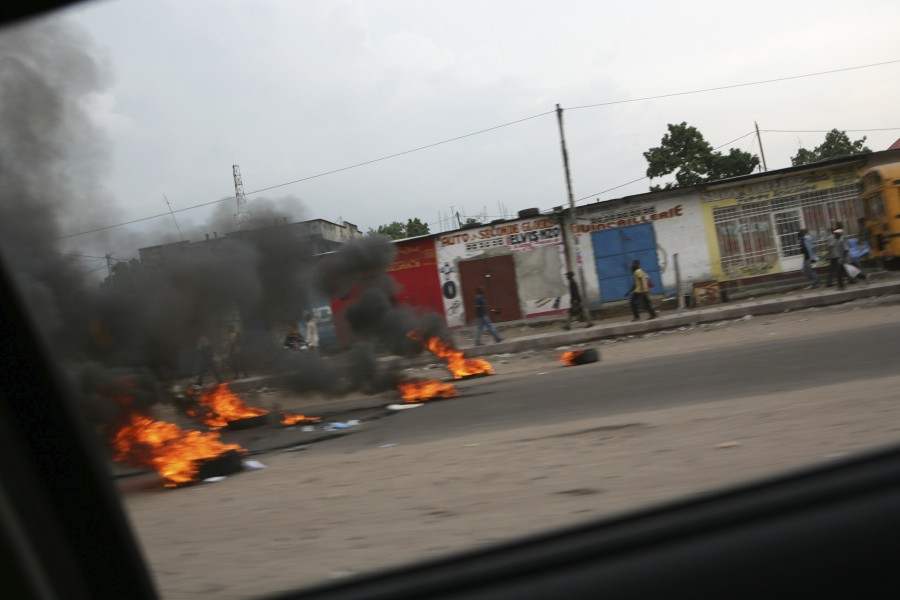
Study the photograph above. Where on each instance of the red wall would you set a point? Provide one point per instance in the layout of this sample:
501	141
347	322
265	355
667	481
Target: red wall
415	271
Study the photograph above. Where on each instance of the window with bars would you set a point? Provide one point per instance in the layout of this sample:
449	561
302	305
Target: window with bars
755	235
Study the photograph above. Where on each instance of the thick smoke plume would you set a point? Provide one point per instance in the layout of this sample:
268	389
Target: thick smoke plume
139	329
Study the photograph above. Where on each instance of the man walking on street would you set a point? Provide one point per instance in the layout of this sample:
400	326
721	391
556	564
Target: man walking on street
482	318
312	335
640	291
809	258
234	352
577	310
837	252
206	360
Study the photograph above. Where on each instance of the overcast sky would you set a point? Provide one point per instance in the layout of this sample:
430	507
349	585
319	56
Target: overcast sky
291	89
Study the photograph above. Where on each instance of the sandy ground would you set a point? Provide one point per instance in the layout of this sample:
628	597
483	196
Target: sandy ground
330	512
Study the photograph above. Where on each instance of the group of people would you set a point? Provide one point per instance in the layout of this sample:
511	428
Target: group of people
206	362
844	255
639	295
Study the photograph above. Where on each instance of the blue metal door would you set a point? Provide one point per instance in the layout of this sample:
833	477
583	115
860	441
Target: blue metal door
614	249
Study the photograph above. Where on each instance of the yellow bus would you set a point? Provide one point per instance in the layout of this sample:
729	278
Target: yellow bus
881	202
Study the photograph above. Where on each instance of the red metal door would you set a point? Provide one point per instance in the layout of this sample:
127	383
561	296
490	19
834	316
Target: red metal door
497	275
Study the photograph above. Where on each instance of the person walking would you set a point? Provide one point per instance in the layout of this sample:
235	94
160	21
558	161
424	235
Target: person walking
837	253
809	258
855	253
206	360
640	291
577	310
235	343
482	319
312	335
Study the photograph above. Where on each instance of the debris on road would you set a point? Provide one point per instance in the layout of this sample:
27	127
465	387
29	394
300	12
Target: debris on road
402	406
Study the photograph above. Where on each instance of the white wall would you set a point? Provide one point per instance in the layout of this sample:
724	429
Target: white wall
677	222
536	244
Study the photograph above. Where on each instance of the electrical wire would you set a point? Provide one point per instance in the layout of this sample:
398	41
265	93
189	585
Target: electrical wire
736	85
272	187
826	130
74	255
646	177
368	162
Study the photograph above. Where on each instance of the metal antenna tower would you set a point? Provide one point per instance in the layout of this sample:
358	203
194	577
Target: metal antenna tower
242	217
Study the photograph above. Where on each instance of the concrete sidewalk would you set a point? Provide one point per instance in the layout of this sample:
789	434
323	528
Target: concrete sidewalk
522	335
544	333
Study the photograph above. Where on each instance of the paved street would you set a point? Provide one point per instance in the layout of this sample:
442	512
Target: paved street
539	445
610	387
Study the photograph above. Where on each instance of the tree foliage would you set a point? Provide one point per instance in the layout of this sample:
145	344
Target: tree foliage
836	144
684	152
398	231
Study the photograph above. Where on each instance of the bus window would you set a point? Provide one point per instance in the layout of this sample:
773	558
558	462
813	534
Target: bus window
871	180
874	205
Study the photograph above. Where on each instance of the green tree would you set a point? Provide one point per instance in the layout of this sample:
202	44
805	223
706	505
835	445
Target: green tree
836	144
416	227
683	151
398	231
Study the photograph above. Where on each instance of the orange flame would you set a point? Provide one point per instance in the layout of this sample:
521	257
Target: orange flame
223	406
166	448
457	363
293	419
569	357
419	390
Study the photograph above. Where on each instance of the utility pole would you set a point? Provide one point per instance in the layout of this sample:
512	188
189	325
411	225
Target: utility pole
243	217
761	152
571	238
108	265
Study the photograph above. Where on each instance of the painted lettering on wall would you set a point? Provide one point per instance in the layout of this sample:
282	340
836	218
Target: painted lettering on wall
647	217
413	256
515	235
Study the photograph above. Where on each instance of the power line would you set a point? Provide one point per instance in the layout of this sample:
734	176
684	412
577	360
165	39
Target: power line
272	187
369	162
457	138
95	270
84	256
646	177
737	85
827	130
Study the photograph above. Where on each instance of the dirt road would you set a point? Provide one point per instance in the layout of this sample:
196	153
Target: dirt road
328	512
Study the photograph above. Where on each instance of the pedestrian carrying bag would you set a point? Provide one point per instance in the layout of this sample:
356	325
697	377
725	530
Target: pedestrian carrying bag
852	270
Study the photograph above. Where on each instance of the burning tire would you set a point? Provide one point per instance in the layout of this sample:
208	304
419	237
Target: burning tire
223	465
580	357
247	422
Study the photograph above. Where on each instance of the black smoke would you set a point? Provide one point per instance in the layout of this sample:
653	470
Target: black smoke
138	330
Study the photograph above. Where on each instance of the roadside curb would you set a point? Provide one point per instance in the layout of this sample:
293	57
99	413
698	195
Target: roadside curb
810	299
665	320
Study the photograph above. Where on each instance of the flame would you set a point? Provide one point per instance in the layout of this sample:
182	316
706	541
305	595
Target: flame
293	419
165	447
223	406
569	357
457	363
419	390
